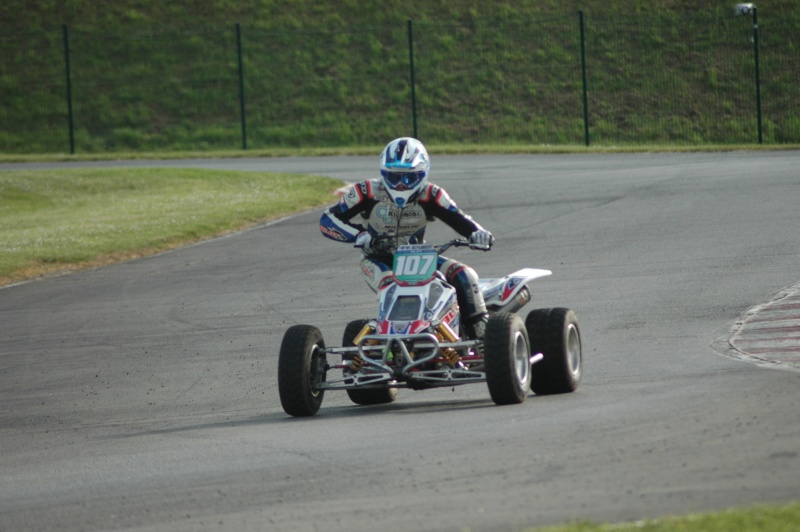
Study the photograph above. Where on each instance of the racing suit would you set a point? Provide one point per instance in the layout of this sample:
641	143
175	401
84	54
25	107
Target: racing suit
367	207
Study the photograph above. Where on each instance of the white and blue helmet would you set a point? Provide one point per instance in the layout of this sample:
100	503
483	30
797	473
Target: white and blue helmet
404	167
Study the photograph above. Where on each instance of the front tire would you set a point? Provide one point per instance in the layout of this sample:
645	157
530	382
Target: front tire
555	333
367	396
301	368
507	359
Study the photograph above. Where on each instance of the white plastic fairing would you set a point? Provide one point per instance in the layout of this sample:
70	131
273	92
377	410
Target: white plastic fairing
499	292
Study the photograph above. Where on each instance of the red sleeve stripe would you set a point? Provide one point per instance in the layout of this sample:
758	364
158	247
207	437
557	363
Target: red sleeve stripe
426	194
439	192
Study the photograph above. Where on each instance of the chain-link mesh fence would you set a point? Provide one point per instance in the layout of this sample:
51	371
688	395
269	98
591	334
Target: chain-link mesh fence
779	46
499	82
155	89
669	78
326	88
677	79
33	93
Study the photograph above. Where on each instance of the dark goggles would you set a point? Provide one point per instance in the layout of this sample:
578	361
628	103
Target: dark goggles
404	179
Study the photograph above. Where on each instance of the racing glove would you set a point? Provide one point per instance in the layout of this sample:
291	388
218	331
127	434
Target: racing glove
364	240
481	239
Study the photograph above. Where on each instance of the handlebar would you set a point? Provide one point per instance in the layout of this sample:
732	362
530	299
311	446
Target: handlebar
388	244
456	243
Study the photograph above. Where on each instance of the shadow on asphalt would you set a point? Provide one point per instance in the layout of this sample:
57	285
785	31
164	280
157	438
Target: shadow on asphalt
334	412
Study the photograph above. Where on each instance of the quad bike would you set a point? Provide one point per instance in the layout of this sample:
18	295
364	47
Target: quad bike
417	341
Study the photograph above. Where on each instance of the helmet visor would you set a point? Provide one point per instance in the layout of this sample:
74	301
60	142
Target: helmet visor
403	180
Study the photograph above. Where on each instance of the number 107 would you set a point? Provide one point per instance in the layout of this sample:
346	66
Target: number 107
415	264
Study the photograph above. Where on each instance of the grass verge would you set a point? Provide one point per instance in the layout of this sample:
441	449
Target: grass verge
54	221
785	518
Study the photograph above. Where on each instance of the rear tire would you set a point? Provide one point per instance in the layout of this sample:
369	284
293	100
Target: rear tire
555	333
301	368
507	359
371	396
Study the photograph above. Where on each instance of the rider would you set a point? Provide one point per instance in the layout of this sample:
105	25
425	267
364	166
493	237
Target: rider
399	205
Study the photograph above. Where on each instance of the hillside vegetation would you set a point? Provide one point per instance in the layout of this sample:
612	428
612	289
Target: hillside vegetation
148	75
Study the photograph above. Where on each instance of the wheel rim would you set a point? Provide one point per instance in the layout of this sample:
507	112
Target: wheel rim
316	371
522	364
573	349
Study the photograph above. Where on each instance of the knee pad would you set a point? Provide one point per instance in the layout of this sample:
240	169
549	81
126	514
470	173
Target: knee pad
465	281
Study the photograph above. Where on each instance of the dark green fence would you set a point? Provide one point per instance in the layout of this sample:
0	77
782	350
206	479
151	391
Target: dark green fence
665	79
510	82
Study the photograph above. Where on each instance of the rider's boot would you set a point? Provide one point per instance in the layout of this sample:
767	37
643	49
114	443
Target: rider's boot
476	326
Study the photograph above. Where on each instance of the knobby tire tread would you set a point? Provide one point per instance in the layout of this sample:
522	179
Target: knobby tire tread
500	374
546	330
294	385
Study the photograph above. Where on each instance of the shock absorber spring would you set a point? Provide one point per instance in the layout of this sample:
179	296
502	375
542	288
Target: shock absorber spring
447	334
356	363
367	329
451	355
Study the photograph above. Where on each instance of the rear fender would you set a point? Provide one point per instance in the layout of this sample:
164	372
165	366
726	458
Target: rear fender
510	293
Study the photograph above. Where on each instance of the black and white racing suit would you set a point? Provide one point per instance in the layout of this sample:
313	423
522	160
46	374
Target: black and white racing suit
367	207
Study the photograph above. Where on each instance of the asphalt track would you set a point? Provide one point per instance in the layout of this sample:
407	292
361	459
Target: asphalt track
143	396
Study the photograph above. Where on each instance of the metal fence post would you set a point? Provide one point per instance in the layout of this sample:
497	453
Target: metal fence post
758	73
241	84
413	82
583	79
69	91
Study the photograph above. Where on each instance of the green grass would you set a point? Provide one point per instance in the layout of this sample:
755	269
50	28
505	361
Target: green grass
784	518
51	221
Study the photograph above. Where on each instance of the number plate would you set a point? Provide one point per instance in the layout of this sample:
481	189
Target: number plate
414	263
